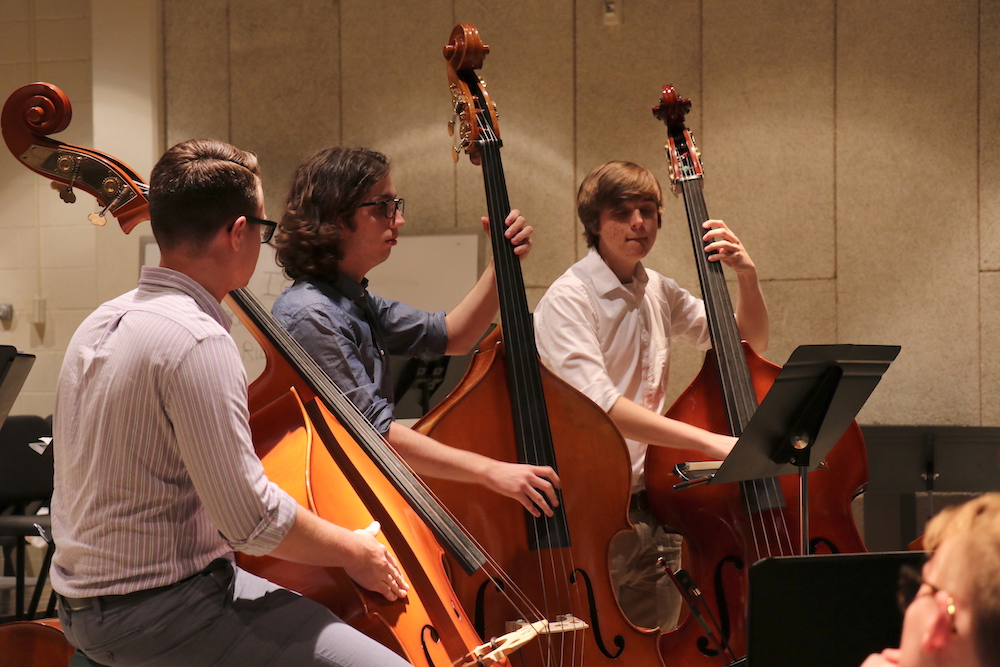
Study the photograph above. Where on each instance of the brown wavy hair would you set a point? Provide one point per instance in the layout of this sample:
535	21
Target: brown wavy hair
325	193
198	187
610	185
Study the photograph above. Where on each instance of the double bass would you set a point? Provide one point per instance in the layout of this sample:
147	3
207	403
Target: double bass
727	527
509	407
310	438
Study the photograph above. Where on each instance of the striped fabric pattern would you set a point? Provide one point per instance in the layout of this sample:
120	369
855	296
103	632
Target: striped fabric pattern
155	471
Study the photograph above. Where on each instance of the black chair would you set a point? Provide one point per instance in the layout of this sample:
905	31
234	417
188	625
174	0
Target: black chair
25	486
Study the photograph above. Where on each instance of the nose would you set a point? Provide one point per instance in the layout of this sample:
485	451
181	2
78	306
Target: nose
397	220
636	220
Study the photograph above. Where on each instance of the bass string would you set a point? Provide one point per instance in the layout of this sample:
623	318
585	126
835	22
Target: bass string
740	398
524	379
463	545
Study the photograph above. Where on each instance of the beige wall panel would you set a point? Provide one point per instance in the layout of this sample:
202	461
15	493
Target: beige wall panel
73	78
989	136
768	130
196	69
989	335
803	312
285	64
61	8
621	70
47	250
529	74
17	203
396	100
14	10
907	213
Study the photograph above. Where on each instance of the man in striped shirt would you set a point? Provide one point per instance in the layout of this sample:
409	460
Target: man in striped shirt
156	481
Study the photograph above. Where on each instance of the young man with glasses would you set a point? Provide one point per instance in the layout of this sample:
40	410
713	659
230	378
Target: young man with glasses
952	609
156	479
342	219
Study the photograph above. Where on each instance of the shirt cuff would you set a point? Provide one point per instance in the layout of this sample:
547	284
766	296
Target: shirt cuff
272	528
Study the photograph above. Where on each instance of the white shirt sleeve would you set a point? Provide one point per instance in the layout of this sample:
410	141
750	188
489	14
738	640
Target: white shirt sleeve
567	337
206	403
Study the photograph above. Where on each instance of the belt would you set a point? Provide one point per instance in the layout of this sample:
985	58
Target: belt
639	502
218	568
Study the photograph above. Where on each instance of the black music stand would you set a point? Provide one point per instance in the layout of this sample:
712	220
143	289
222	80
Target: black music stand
829	609
816	396
14	367
422	376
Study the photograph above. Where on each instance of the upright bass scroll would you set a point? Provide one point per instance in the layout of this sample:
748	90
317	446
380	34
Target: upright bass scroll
39	109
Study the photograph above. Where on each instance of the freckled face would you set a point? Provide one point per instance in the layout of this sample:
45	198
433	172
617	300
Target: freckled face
373	236
627	233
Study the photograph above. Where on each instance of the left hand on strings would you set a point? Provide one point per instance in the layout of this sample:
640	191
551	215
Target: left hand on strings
724	246
532	486
518	232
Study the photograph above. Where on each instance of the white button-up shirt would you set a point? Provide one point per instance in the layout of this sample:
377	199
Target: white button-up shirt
608	339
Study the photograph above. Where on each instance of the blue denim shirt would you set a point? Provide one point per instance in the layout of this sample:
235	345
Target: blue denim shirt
350	331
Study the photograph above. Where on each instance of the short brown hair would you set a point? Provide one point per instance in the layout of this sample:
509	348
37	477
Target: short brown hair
197	187
327	188
976	525
610	185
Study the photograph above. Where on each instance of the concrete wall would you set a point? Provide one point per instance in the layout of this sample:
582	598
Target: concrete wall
852	146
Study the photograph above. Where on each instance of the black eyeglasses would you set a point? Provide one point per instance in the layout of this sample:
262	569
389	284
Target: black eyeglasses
910	582
391	206
267	228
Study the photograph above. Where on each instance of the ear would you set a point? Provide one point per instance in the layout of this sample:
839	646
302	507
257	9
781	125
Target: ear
941	630
236	235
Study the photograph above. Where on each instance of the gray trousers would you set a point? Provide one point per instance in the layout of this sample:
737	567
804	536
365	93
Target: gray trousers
645	592
230	617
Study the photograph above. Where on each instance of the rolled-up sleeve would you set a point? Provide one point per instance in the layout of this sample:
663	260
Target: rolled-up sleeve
205	400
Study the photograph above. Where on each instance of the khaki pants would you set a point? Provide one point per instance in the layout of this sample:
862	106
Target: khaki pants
645	592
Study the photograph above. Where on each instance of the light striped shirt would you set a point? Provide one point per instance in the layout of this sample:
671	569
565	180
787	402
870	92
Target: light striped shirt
155	472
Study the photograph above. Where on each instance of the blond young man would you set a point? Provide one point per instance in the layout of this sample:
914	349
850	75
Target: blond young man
607	326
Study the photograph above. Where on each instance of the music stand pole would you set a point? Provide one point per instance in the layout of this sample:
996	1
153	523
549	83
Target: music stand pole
803	510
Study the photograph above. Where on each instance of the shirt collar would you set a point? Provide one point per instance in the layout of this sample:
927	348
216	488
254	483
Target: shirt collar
354	291
604	279
160	278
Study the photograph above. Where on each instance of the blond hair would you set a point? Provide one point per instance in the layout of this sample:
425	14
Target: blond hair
975	525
